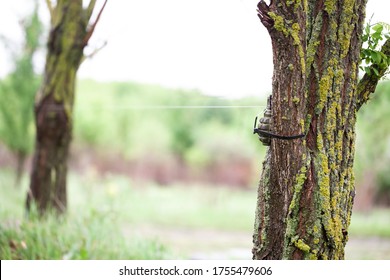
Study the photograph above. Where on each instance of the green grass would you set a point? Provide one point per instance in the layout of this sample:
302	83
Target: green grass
374	223
189	206
181	206
87	232
91	236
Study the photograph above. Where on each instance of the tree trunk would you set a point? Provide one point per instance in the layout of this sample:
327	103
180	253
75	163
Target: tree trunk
20	160
54	109
306	191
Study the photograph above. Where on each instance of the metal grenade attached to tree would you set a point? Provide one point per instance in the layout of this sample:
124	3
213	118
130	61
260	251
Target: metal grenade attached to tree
264	124
263	127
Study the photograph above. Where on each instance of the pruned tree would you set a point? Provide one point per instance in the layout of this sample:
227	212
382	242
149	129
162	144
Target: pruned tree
306	191
71	30
17	92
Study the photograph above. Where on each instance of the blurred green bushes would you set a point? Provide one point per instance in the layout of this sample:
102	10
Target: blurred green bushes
373	142
17	93
178	131
148	122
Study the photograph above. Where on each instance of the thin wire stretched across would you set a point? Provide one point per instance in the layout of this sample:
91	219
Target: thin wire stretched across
158	107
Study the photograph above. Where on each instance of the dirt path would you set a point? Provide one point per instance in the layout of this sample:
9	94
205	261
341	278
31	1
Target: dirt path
368	248
210	244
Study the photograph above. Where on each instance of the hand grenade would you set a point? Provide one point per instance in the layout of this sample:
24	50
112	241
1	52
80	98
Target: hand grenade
264	123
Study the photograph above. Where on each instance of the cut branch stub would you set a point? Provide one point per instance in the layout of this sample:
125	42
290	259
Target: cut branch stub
262	12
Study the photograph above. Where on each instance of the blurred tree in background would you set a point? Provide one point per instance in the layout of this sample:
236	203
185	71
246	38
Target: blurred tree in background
17	93
70	32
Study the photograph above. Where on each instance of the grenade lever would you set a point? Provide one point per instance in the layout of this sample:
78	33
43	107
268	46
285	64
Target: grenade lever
265	133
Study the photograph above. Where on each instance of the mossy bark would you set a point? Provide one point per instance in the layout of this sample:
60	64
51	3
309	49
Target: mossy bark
306	192
54	108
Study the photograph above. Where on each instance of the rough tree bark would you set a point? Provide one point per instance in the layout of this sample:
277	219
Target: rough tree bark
306	191
70	33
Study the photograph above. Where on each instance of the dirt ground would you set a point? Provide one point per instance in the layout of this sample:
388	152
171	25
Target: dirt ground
205	244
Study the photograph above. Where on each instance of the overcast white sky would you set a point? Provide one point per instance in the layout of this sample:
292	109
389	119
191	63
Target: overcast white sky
216	46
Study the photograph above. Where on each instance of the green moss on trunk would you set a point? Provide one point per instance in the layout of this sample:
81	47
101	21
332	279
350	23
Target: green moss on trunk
311	182
54	108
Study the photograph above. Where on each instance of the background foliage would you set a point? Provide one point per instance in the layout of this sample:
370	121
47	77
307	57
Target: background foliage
157	127
17	93
151	164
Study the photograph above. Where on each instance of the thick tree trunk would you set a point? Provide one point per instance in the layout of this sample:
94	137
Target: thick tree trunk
49	169
54	110
306	192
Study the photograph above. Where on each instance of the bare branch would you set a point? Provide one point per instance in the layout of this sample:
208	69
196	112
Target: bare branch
91	28
368	83
90	9
51	10
95	51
